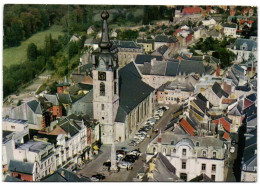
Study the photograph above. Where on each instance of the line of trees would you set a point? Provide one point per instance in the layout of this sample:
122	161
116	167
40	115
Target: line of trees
57	55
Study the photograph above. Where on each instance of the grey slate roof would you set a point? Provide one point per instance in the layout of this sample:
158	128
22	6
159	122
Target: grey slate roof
63	175
190	66
141	58
125	44
250	44
64	98
173	68
84	105
162	49
52	99
35	106
132	90
219	91
164	171
12	179
252	97
145	41
230	25
21	167
161	38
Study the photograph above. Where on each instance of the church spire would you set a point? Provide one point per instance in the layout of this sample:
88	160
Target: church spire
105	43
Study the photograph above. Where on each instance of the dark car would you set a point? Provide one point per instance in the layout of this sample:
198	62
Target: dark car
130	156
107	164
131	160
99	176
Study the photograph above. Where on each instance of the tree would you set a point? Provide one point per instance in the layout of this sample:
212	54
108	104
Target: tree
31	52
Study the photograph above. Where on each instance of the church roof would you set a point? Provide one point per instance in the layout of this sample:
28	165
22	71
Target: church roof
132	90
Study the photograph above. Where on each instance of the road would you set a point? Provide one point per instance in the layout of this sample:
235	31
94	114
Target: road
96	166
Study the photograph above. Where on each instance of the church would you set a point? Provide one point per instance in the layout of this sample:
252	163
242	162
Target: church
120	101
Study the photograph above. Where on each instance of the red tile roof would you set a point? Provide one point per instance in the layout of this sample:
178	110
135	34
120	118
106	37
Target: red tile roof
192	10
250	21
247	103
226	136
187	127
177	31
226	125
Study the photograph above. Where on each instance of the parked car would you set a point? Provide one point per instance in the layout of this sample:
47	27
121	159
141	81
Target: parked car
232	149
157	117
132	143
125	165
107	164
99	176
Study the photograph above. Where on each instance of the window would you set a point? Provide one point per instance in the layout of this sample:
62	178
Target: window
197	144
213	177
183	166
214	154
213	167
102	106
115	88
184	152
12	127
203	167
204	153
102	89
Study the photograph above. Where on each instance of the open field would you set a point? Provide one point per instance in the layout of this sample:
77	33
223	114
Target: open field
16	55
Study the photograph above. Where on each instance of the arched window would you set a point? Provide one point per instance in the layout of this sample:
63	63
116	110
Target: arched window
102	89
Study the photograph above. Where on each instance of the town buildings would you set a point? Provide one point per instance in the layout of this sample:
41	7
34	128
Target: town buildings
190	155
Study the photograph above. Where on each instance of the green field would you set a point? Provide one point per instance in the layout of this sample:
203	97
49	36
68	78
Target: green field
16	55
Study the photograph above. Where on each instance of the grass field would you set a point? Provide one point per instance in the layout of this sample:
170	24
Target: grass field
16	55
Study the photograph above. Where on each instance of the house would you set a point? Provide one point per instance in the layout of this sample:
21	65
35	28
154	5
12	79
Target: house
162	51
74	38
32	111
198	32
245	22
230	29
171	42
142	58
90	30
61	87
91	42
38	155
83	74
23	170
63	175
175	91
161	170
146	43
209	23
215	94
244	49
156	73
214	34
223	124
249	159
178	149
248	12
15	125
126	51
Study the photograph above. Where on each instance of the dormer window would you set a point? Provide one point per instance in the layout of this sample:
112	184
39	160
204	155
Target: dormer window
204	153
197	144
214	154
184	152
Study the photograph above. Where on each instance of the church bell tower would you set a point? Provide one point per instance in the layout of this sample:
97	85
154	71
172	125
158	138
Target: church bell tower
105	85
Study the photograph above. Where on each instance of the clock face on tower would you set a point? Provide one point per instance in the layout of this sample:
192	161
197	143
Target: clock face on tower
102	76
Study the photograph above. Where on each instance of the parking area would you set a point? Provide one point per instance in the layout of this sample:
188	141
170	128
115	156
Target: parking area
131	153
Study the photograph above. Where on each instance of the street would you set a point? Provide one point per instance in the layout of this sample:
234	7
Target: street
96	166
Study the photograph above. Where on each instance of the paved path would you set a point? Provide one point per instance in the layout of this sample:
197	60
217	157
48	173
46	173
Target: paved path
96	166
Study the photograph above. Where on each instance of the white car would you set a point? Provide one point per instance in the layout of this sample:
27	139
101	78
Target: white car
157	117
232	149
124	165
